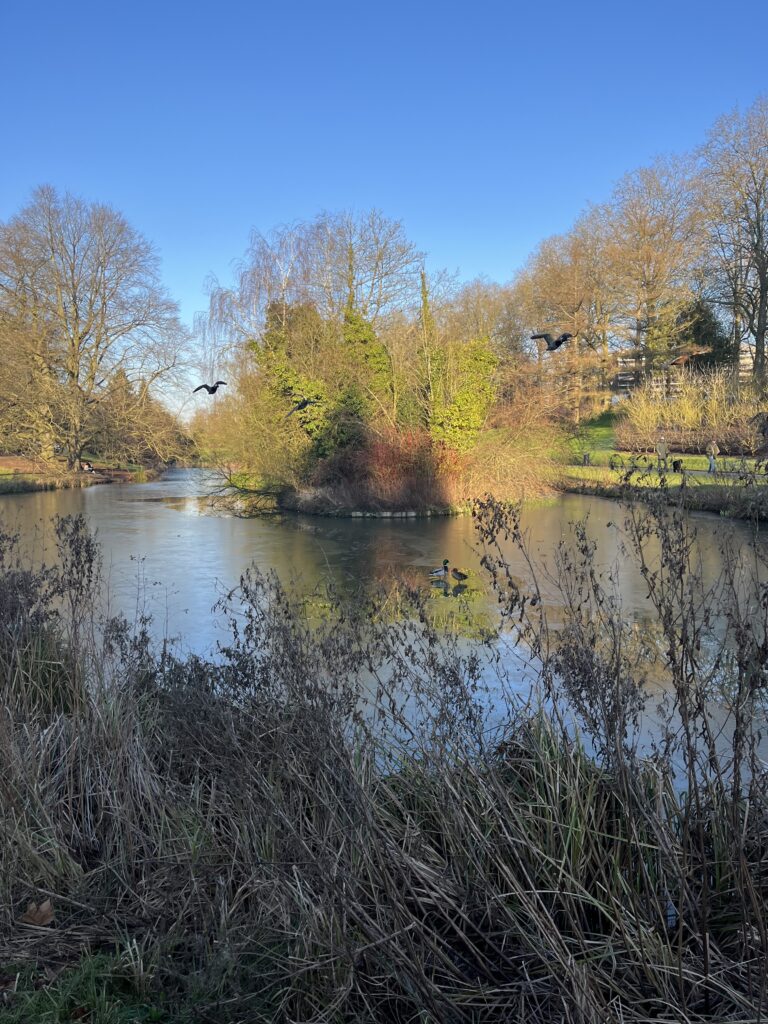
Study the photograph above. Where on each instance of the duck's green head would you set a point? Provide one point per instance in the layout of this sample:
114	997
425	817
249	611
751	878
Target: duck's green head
445	561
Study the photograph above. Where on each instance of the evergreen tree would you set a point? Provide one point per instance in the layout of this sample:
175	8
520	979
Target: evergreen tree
457	422
703	330
370	361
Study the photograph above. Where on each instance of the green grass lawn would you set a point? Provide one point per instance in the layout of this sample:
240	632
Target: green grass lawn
623	459
648	477
596	437
603	474
99	463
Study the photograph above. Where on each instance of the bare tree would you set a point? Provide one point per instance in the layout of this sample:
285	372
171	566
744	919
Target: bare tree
734	193
81	299
484	309
653	245
333	263
568	285
373	267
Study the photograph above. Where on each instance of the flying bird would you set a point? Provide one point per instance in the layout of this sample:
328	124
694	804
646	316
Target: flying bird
210	388
552	343
302	405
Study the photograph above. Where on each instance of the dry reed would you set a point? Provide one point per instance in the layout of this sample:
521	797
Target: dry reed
328	823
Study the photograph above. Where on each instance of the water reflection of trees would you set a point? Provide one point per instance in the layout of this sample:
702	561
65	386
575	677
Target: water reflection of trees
458	608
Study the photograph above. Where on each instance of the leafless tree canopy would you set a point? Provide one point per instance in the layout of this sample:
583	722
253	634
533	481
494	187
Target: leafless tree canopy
331	263
80	302
733	186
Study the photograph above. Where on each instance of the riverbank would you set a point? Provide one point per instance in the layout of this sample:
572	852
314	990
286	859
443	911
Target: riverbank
408	477
739	489
21	476
244	497
324	501
737	495
186	840
741	496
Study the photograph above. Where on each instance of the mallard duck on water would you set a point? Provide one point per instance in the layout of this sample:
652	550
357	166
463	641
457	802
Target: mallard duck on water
440	573
459	575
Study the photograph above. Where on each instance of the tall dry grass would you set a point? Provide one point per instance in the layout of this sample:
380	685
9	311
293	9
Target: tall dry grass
708	407
331	823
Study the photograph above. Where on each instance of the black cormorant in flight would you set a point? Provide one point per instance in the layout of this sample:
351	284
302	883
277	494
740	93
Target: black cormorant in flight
552	343
302	405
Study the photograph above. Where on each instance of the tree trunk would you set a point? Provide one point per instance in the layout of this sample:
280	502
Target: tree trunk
761	328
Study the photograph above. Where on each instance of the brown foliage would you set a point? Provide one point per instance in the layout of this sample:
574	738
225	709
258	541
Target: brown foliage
38	915
392	470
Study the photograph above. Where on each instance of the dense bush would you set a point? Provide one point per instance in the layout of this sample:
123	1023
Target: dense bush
391	470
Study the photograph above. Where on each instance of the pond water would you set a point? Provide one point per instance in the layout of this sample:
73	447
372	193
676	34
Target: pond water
168	554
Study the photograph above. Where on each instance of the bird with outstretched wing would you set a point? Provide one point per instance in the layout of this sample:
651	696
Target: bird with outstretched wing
552	343
303	404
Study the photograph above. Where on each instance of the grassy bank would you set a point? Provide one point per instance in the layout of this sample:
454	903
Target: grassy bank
23	483
739	488
330	823
408	473
19	476
741	495
388	472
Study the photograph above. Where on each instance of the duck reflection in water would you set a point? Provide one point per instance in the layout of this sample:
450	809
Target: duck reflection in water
447	590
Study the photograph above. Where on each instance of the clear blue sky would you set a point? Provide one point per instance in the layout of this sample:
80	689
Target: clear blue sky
483	126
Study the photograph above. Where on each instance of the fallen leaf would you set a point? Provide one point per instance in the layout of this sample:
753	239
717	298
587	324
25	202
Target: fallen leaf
39	916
